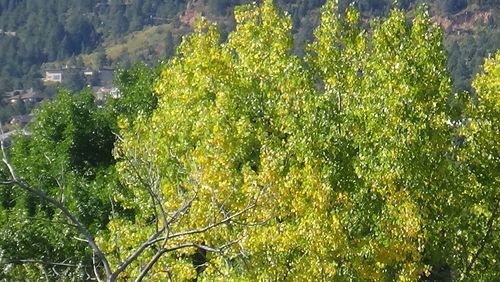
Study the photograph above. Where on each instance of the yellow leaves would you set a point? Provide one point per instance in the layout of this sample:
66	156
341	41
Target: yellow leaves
245	12
404	214
183	271
343	199
344	175
201	24
474	126
123	123
487	85
352	15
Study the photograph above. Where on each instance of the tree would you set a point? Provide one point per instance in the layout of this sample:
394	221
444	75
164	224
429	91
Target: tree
350	150
136	89
218	7
74	80
477	161
117	20
67	157
169	45
454	6
245	118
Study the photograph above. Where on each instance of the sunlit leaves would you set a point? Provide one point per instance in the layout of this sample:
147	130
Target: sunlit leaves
351	151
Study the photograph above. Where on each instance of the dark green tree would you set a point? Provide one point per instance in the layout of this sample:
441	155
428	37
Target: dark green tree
74	80
136	90
454	6
68	157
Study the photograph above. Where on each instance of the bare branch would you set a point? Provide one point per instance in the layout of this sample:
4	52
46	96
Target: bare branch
162	251
41	194
149	185
213	225
113	214
25	261
136	254
94	266
150	264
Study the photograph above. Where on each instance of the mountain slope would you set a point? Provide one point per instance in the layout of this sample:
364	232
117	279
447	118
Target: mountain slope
102	32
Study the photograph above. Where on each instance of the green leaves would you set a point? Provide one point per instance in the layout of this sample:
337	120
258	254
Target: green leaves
68	155
349	148
347	165
478	160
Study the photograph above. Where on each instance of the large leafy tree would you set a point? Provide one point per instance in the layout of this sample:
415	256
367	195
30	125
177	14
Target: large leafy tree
352	151
477	159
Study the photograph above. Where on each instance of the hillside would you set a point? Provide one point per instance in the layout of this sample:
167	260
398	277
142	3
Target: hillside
40	34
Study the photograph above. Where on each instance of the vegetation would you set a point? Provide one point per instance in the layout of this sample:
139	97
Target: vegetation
36	35
35	32
239	160
68	155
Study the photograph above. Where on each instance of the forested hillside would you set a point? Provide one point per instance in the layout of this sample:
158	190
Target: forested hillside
36	32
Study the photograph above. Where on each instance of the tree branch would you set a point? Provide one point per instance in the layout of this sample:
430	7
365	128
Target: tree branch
136	254
152	240
162	251
484	241
213	225
24	261
94	266
41	194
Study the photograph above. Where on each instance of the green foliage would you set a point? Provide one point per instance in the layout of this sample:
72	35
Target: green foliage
32	245
68	155
74	80
478	160
361	165
352	151
71	129
136	92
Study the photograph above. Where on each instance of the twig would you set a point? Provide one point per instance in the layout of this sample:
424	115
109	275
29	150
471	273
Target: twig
24	261
213	225
94	266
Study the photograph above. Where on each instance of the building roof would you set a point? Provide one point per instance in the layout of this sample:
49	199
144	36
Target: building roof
30	94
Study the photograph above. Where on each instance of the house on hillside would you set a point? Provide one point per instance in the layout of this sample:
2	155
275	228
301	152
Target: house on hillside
88	73
12	97
55	75
25	96
106	75
101	77
31	96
